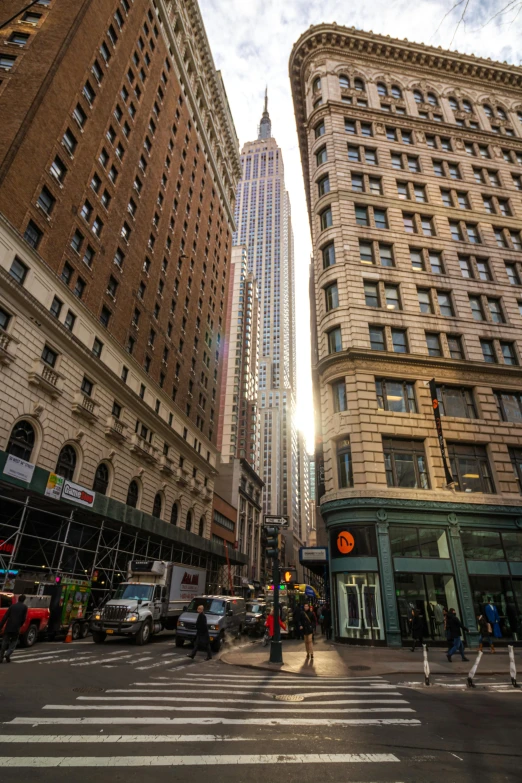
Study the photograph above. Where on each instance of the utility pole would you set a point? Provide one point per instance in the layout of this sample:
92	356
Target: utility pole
276	646
272	544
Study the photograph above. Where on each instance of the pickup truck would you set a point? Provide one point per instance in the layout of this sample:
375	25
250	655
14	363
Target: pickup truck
37	616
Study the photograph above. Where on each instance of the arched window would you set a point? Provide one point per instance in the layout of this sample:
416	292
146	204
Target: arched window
358	84
419	98
466	105
382	89
317	84
156	508
174	514
202	526
432	99
501	114
488	110
344	81
66	463
396	92
21	442
101	479
453	104
188	525
133	494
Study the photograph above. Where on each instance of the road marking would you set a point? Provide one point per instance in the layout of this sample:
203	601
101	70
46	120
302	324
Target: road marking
32	660
197	761
457	757
273	708
155	665
284	677
102	660
214	692
42	739
68	720
258	686
205	701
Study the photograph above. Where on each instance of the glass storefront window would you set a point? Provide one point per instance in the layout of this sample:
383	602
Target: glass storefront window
512	545
429	594
482	545
418	542
359	606
506	595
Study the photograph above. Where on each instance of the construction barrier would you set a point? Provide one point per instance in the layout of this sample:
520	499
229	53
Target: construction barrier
426	665
512	666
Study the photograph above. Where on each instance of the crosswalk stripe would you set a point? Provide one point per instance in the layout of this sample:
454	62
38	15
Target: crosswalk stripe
272	708
42	739
263	686
186	720
214	692
288	678
34	659
268	697
103	660
196	761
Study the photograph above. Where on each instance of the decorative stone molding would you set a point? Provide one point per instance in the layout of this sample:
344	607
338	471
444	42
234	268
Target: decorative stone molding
46	378
8	344
85	406
143	448
115	429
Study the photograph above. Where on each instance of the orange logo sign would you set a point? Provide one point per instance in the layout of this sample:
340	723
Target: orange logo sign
435	404
345	542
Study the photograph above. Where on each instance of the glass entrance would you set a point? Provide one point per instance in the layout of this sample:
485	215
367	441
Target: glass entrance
359	605
506	597
429	594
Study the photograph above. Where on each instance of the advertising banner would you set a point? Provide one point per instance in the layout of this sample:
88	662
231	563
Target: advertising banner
187	583
54	486
19	468
78	494
438	426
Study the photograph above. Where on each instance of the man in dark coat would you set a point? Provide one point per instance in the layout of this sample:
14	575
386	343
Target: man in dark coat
202	636
327	621
13	620
454	628
417	628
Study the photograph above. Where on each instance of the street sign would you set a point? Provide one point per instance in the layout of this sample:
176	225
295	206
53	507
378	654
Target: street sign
273	521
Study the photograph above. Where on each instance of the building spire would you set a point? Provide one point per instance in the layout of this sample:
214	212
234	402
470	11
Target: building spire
265	127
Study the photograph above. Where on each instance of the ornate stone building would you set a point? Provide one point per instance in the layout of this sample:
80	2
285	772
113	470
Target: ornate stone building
412	160
118	168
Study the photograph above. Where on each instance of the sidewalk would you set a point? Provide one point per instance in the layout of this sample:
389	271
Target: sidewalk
340	660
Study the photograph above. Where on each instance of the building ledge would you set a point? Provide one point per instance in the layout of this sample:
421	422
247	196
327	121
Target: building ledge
85	406
7	346
165	465
115	429
46	378
143	449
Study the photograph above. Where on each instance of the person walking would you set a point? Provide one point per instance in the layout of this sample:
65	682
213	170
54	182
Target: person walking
327	615
297	618
306	625
202	635
13	620
416	622
485	633
455	629
270	623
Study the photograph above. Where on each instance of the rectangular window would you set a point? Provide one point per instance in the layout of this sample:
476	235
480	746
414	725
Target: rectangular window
377	342
399	340
49	356
361	215
427	226
33	234
395	396
465	267
18	270
488	351
339	396
371	294
366	252
328	253
456	401
334	340
437	266
413	164
484	271
509	404
508	352
455	346
386	255
434	344
370	156
445	303
470	468
344	464
512	273
331	296
326	218
425	303
495	309
409	223
392	296
417	260
381	220
353	154
357	183
405	464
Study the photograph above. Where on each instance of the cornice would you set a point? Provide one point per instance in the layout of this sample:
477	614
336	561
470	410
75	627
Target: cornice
383	361
482	509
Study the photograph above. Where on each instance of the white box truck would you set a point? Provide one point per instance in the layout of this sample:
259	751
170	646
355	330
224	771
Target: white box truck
151	599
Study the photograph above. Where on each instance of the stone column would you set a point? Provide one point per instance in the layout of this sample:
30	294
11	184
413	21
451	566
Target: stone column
391	616
467	612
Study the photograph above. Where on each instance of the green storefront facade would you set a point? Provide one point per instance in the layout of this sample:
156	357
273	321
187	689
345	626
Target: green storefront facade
391	555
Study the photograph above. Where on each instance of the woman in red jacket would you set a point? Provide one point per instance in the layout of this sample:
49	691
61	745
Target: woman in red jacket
270	623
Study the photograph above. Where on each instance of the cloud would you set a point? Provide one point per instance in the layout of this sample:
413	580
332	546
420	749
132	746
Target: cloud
251	41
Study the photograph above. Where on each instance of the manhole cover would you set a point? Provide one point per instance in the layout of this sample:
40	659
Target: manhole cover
288	697
88	690
359	668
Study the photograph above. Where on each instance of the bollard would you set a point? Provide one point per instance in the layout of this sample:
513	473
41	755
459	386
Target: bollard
512	666
473	670
426	665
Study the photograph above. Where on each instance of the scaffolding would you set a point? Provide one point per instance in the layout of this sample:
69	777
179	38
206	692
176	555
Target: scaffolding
37	544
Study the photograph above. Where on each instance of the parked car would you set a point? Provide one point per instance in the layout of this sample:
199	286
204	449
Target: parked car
256	612
37	616
226	618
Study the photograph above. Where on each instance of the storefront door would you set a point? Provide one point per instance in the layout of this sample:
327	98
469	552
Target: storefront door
506	596
429	594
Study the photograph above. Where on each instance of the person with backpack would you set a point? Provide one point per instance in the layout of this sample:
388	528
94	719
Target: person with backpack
307	625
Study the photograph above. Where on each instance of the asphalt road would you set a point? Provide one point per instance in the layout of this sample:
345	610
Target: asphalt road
147	715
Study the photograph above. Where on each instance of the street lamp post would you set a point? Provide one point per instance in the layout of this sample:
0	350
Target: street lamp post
276	646
272	544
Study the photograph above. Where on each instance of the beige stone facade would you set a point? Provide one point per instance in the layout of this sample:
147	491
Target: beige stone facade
417	153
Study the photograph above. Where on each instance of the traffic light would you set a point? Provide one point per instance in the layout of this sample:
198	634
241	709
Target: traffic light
271	542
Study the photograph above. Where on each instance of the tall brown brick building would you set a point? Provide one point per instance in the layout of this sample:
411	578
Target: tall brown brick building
118	168
412	160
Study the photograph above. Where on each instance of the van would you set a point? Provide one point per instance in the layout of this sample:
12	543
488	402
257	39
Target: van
226	618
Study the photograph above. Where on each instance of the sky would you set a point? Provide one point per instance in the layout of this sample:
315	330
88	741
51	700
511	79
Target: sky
251	41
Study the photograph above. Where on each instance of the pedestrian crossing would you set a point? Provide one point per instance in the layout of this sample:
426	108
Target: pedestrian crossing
85	655
246	714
